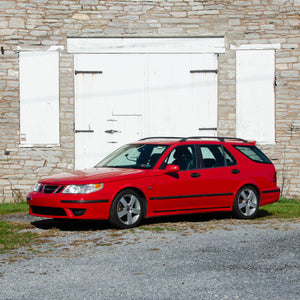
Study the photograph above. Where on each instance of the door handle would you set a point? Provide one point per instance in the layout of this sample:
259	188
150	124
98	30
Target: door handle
195	175
111	131
235	171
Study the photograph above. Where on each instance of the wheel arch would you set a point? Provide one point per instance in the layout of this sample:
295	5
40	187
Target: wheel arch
138	191
251	184
247	209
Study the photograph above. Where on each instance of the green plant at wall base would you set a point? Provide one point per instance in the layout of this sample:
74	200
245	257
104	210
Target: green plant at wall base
284	208
11	208
11	237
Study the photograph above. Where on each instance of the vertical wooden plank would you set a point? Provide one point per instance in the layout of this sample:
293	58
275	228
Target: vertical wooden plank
90	112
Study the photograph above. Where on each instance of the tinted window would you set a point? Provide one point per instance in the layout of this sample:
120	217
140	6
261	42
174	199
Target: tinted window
254	154
212	156
230	160
183	156
135	156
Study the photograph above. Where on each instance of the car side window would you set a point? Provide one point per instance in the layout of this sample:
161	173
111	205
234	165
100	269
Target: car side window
230	160
183	156
254	154
213	156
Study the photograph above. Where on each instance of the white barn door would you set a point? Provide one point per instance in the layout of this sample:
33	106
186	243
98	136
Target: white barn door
181	95
121	98
108	105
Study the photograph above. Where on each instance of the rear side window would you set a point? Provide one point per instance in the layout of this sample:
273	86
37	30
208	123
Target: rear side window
214	156
254	154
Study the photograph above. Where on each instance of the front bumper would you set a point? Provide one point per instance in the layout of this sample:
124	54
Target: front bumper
94	206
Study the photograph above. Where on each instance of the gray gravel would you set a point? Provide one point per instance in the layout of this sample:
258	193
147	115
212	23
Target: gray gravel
193	258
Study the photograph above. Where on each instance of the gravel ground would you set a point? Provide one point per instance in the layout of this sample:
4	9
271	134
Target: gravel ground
194	257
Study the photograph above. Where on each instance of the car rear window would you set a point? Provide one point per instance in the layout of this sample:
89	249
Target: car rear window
254	154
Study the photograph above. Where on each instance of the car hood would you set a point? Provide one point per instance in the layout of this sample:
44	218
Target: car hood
95	175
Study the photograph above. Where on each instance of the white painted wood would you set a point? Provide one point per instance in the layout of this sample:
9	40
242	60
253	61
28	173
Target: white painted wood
128	128
181	102
90	108
255	108
146	45
112	100
140	95
39	98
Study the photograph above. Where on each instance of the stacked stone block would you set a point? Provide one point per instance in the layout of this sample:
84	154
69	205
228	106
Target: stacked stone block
40	24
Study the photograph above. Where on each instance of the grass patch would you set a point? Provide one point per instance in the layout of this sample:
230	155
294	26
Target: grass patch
12	208
12	238
284	208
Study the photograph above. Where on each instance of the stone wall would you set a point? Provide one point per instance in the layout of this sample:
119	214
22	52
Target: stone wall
41	24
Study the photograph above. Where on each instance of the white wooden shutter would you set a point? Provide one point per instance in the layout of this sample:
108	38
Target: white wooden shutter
39	98
255	108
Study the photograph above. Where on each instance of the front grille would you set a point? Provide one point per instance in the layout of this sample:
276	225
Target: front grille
49	189
49	211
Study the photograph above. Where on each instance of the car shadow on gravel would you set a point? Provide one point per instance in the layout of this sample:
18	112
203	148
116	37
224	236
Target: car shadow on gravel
95	225
71	225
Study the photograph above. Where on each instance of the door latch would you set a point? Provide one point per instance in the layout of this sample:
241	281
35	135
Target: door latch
111	131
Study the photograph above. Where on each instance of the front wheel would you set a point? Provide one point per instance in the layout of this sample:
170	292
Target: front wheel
246	203
127	209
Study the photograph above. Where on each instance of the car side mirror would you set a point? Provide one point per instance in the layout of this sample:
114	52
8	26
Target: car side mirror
172	169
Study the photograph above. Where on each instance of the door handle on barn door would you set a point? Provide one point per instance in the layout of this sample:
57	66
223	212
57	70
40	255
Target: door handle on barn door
195	175
111	131
235	171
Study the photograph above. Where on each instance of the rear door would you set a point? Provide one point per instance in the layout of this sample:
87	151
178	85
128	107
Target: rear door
220	176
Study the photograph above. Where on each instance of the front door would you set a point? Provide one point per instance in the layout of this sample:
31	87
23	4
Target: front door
177	192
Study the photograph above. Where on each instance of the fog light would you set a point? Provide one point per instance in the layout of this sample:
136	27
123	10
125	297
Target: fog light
78	211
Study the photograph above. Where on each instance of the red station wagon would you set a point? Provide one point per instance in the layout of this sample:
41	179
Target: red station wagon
162	176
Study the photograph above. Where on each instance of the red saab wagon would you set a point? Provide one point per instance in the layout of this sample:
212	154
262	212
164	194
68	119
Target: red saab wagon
162	176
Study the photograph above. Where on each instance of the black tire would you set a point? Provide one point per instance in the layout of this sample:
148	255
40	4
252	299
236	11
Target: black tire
246	203
127	209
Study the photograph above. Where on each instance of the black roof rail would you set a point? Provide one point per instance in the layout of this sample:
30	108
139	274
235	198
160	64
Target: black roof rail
162	137
220	138
183	139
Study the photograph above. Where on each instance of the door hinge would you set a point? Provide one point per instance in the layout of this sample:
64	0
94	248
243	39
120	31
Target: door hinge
84	130
204	71
88	72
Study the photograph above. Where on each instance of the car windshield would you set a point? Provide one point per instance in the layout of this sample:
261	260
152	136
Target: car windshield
136	156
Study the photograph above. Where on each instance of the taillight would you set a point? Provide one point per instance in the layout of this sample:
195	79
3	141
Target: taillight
275	178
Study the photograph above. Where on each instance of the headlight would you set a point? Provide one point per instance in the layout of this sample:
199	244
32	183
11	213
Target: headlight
82	189
36	187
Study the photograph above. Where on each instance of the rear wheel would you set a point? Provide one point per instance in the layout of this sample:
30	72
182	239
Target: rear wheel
127	209
246	203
